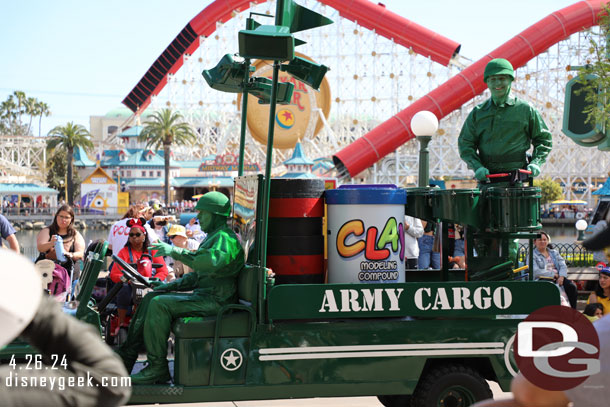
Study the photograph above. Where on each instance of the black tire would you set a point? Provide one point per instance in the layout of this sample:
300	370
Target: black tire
108	338
400	400
122	337
451	385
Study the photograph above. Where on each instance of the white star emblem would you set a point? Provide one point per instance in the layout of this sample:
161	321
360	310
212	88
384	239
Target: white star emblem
231	359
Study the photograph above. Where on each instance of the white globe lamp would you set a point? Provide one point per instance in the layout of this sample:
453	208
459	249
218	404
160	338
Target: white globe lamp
423	125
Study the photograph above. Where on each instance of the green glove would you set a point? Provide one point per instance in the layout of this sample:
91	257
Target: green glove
162	249
158	285
535	169
481	174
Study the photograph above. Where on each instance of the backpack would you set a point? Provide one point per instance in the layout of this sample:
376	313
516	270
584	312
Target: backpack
60	284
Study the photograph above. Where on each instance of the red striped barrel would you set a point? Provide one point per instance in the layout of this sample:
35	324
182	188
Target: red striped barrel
295	239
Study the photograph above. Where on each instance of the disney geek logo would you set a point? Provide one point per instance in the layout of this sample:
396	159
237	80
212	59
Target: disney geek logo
556	348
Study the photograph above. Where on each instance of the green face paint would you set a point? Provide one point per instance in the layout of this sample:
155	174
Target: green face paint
499	86
205	220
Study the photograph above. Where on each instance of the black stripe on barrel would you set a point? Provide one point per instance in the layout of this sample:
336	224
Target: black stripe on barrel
295	241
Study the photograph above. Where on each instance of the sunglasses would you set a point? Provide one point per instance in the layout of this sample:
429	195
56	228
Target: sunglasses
135	234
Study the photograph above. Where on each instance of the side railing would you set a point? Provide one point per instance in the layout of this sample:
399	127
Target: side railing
573	253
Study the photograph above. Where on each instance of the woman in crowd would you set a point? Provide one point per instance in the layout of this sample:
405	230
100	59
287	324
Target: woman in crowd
134	250
602	291
73	241
548	264
159	226
119	231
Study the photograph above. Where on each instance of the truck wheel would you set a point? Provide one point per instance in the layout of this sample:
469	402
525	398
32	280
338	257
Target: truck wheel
108	338
122	337
451	386
400	400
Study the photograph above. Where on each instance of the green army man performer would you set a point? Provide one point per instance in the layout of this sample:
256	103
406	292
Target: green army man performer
215	266
498	133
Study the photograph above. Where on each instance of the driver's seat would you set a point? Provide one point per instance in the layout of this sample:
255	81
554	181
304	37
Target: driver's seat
197	337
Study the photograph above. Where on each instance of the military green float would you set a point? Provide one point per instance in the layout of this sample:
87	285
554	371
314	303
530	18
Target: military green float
427	338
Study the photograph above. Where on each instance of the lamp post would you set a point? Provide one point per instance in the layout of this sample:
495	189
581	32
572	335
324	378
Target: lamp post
424	124
581	226
64	185
212	185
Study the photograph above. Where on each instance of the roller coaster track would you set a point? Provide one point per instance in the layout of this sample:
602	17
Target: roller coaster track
394	132
451	95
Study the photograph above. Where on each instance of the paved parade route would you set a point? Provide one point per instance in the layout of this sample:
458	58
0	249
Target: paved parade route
315	402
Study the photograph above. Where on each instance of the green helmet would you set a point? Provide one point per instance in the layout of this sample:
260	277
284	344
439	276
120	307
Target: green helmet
498	66
214	202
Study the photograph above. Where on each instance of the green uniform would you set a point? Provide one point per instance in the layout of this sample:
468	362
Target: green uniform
215	266
498	138
57	336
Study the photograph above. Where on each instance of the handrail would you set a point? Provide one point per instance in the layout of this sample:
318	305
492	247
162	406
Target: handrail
573	253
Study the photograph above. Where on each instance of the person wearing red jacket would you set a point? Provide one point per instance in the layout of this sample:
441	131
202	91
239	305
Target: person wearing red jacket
136	247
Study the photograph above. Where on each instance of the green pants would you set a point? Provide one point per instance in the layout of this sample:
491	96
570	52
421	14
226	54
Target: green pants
152	322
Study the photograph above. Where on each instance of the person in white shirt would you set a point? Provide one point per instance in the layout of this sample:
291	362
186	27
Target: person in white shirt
193	230
413	231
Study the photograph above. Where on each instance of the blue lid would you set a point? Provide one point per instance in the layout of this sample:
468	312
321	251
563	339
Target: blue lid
381	194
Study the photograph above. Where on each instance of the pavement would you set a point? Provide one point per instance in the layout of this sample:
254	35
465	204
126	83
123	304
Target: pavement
318	402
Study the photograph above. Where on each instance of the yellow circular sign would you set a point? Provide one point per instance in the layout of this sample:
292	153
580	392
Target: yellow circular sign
294	121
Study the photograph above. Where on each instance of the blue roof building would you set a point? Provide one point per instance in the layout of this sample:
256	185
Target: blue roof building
604	190
31	195
298	166
141	171
81	159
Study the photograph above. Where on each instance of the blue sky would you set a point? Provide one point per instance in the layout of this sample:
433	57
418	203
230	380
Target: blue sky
83	57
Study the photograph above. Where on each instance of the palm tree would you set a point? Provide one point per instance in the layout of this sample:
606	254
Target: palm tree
163	129
8	113
42	109
69	137
21	98
31	109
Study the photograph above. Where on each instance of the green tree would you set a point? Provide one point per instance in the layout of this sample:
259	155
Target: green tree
42	109
30	110
597	91
13	110
69	137
57	165
21	99
163	129
551	190
9	117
